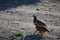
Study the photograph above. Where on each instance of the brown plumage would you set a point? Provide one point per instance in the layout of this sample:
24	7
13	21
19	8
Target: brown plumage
38	22
40	26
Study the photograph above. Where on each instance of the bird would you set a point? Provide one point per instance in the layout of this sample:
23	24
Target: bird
38	22
40	26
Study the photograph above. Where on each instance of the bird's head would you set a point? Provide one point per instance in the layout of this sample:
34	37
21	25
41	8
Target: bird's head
34	16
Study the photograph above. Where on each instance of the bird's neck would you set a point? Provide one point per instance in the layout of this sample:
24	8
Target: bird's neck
35	18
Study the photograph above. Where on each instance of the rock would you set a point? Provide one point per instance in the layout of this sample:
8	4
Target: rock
33	37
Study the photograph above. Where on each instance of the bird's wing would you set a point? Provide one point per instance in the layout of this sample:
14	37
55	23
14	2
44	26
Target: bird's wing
37	24
40	24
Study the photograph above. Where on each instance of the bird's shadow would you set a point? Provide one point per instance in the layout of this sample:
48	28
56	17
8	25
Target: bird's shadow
33	37
7	4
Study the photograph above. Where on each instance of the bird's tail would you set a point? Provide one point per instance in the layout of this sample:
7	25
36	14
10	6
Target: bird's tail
50	36
48	31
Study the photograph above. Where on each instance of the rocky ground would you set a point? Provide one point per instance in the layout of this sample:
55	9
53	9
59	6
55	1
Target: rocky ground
20	19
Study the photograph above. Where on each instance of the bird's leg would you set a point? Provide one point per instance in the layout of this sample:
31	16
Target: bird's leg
35	32
40	33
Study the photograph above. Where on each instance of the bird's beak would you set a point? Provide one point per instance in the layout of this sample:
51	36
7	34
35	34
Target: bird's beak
33	15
